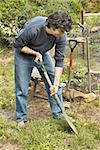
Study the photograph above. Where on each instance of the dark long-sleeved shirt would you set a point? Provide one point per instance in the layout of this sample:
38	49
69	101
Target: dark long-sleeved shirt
34	36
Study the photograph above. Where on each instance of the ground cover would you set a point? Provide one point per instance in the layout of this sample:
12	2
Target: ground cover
42	132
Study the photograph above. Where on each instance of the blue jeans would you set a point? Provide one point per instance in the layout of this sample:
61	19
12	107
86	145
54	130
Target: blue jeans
23	69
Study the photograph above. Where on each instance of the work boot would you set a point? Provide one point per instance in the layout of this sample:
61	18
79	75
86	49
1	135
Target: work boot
21	124
58	116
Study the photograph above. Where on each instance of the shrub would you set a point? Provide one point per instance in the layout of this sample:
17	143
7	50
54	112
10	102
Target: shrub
13	14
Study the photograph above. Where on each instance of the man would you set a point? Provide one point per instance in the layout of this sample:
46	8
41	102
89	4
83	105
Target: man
32	44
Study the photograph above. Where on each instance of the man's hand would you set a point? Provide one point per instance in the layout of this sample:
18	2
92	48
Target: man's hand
38	57
53	90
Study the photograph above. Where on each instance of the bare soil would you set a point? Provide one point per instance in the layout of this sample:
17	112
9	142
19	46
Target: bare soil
40	108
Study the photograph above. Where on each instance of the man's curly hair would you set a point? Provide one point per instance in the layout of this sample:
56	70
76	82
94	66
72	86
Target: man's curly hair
59	20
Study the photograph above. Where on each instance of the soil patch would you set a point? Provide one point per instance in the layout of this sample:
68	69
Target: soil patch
9	146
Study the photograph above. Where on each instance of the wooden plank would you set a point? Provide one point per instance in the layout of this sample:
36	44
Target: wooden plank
78	39
91	14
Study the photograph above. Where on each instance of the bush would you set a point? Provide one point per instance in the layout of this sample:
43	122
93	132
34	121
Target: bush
91	5
13	14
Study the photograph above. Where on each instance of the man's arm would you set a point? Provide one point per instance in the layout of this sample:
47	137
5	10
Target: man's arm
29	51
58	73
59	57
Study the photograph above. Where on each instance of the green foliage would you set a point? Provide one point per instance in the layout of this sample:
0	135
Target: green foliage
80	74
3	132
13	14
91	5
98	86
75	9
64	78
17	11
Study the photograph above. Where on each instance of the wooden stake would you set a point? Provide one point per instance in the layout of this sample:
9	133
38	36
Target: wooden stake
82	21
88	63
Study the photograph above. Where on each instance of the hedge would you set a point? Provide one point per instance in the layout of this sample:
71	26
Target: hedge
13	14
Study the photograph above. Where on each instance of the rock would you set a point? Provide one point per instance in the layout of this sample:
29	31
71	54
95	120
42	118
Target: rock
67	104
35	73
90	97
73	95
95	29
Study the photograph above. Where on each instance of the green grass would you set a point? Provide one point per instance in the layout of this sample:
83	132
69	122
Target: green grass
50	134
6	83
44	134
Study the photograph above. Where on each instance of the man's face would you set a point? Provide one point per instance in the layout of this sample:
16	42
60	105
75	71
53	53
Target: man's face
56	32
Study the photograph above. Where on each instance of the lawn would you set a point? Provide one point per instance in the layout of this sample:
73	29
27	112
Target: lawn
45	133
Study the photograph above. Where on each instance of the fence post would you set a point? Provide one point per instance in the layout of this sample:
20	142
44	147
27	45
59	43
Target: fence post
88	63
82	21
